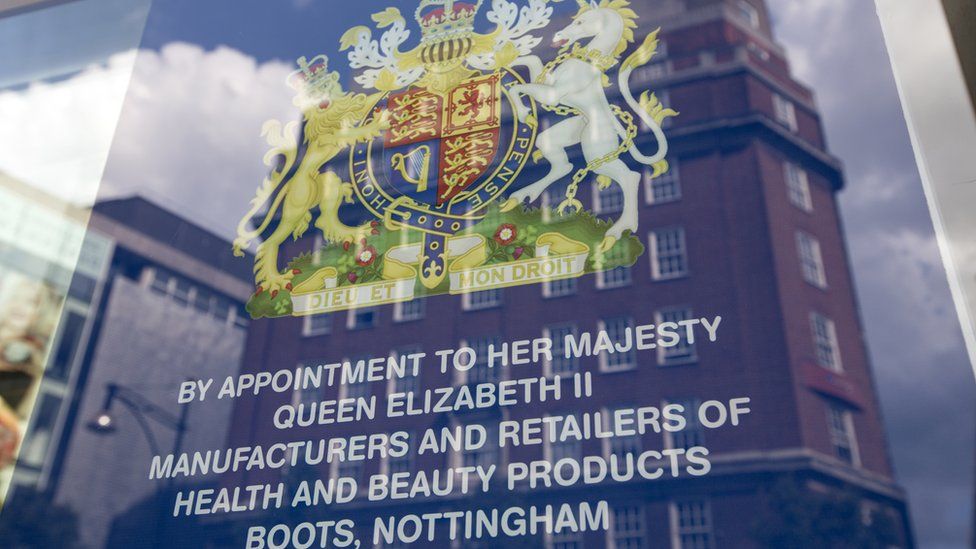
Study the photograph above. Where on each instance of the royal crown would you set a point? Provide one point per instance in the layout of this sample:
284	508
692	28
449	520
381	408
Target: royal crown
441	19
313	79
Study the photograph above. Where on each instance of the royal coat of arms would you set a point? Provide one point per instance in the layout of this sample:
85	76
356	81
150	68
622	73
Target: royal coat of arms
433	151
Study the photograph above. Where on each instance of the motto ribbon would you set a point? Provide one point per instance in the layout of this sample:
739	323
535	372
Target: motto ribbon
556	257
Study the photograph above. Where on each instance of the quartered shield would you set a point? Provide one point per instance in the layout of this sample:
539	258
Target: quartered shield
444	158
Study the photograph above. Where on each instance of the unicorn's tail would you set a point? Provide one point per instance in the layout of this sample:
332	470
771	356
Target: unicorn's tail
649	109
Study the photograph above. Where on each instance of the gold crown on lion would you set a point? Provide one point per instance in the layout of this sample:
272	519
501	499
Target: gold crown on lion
439	18
313	78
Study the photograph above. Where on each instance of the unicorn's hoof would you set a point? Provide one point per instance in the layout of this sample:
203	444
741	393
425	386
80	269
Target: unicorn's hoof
509	205
607	244
532	121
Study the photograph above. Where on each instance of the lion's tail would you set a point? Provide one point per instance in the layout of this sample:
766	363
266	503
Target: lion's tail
649	109
283	143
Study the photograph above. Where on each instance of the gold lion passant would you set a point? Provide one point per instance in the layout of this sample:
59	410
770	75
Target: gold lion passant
330	118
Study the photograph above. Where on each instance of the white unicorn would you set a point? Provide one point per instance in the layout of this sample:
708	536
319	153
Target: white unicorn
574	84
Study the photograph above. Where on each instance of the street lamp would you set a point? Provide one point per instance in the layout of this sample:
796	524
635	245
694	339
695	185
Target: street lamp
143	410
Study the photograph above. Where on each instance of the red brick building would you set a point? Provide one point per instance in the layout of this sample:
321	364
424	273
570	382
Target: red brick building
745	226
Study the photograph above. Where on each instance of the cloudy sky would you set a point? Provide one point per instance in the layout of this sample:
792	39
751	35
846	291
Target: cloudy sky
216	92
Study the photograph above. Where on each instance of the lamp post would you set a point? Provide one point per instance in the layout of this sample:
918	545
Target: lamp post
143	410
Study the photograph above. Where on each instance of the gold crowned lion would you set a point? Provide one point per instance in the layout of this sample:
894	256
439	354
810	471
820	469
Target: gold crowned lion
330	125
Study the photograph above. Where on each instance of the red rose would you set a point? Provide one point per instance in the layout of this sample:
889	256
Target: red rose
506	234
366	256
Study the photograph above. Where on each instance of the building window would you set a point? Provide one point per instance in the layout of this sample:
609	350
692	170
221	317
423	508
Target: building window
559	288
356	389
570	448
551	198
348	469
361	318
485	456
825	342
785	112
627	527
811	260
664	96
392	465
485	299
693	434
482	371
317	325
160	281
609	200
564	540
410	382
652	73
182	291
560	364
748	13
691	524
840	423
684	351
308	394
613	277
617	361
619	446
664	188
669	256
406	311
798	186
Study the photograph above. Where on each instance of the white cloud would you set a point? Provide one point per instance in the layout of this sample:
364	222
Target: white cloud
56	136
190	133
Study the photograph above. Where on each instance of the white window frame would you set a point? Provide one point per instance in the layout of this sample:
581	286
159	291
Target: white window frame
344	387
391	383
663	358
811	259
399	308
828	339
547	203
469	304
385	461
652	238
310	331
607	443
671	177
547	448
674	520
748	13
598	203
351	318
564	537
461	377
691	406
664	97
609	279
615	277
549	292
798	186
457	456
785	112
640	532
604	357
845	438
547	363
